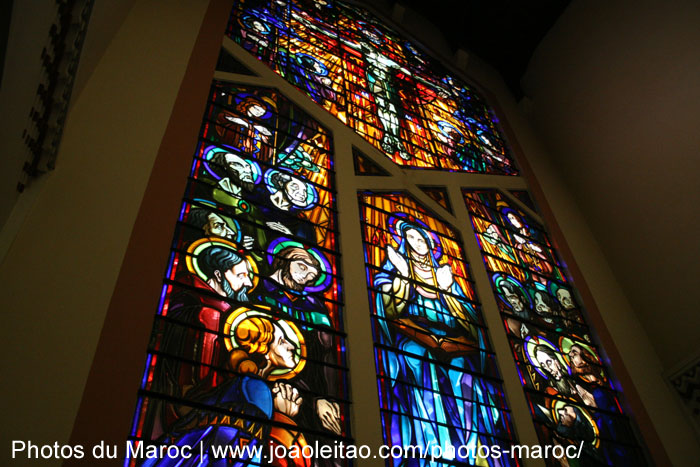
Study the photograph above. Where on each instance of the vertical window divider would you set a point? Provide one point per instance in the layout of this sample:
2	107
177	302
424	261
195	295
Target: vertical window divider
365	411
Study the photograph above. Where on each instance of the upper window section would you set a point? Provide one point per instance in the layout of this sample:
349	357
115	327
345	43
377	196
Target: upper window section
376	82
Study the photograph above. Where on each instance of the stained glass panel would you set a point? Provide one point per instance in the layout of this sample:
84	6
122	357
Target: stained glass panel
436	372
247	347
566	382
439	194
365	166
524	196
375	81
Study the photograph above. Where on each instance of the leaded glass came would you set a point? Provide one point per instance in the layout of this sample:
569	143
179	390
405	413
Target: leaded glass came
567	384
376	82
247	347
436	372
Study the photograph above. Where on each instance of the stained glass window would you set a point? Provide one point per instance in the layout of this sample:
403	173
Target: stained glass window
567	383
438	194
366	166
437	375
247	347
248	343
375	81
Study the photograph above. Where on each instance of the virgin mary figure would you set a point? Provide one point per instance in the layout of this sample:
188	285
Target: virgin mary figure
425	315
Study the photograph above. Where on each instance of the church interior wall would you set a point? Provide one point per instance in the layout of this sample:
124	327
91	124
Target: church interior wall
60	269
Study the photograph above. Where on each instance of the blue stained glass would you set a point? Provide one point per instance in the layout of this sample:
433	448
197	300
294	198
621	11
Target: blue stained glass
571	396
362	72
438	382
247	347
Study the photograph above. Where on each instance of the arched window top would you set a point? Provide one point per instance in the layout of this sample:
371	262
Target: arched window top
375	81
249	342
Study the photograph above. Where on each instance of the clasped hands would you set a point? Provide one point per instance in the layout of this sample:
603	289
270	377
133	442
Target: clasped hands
287	401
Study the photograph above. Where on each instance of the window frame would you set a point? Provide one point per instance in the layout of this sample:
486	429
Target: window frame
135	295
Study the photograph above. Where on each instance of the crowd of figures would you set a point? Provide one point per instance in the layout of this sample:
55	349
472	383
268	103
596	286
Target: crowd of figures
247	348
374	81
567	385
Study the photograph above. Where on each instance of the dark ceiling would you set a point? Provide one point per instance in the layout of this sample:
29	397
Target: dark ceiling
5	14
504	33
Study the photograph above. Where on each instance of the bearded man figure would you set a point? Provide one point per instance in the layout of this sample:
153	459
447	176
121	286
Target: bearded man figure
194	331
235	190
294	270
238	179
558	379
586	366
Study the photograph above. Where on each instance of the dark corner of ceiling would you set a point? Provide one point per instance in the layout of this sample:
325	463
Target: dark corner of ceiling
503	33
5	16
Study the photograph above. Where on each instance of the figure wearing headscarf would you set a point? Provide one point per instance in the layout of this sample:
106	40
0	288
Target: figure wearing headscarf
425	314
532	255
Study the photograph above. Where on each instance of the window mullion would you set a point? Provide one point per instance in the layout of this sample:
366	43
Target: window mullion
365	422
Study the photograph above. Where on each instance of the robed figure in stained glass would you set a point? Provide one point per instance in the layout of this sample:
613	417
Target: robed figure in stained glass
425	314
263	353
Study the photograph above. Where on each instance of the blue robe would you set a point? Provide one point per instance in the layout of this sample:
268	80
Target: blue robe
247	396
442	403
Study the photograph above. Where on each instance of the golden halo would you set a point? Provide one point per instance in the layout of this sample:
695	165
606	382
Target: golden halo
530	349
272	103
198	246
290	330
566	343
555	415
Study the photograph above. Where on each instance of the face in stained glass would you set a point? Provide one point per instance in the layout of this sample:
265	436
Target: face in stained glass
438	380
247	346
571	397
381	85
